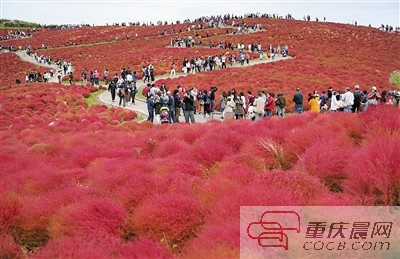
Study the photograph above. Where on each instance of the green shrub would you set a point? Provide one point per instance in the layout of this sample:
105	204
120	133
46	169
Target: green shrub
394	78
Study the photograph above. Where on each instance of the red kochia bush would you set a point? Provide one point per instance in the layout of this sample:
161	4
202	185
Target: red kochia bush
172	218
216	241
89	217
327	159
269	189
10	207
374	174
221	236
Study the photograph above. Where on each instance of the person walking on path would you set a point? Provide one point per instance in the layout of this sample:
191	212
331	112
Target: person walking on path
70	78
134	89
112	87
298	101
151	72
122	91
84	76
146	75
96	77
59	76
173	70
105	76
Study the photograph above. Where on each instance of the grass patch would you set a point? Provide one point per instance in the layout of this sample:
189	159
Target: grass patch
93	99
139	94
394	78
139	118
80	82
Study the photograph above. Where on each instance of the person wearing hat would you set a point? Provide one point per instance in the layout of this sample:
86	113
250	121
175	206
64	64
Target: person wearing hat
373	96
348	100
357	99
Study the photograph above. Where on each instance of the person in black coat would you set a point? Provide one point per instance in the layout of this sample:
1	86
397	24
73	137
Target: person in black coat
112	87
188	102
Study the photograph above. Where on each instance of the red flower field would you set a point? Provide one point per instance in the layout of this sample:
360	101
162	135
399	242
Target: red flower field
81	181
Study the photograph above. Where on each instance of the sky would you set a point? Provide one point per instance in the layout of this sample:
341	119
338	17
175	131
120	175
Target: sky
101	12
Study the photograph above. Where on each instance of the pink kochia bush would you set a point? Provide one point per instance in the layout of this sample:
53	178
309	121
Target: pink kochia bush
78	186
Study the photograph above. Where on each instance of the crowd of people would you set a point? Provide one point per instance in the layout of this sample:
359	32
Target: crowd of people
165	105
388	28
200	64
190	41
64	68
41	59
16	34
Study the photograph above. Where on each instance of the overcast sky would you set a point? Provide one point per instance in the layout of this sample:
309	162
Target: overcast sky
108	11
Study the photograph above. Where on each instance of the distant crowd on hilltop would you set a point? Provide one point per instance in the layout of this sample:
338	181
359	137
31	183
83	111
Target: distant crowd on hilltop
218	21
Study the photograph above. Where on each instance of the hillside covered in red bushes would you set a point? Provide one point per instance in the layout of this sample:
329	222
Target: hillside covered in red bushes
87	181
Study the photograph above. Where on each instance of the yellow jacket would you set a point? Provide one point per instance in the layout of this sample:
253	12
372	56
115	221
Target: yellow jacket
314	106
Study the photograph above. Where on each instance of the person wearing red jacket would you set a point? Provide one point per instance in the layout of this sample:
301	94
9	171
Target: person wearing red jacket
270	104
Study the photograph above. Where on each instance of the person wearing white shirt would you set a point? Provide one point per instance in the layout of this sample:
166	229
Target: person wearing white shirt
243	100
259	105
228	113
129	78
336	102
348	100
